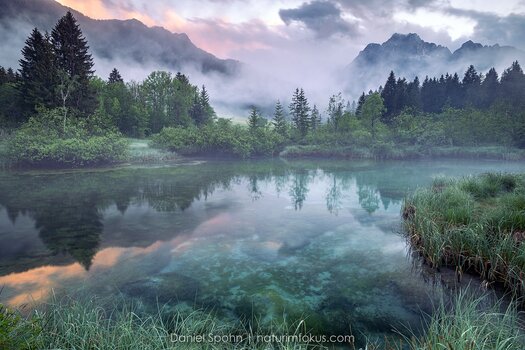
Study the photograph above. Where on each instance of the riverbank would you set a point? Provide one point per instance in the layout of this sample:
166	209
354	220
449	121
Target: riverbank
90	324
475	225
400	152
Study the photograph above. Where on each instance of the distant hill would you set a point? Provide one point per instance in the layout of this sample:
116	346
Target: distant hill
125	41
408	55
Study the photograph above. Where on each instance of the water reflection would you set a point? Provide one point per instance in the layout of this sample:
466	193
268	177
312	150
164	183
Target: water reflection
268	237
68	209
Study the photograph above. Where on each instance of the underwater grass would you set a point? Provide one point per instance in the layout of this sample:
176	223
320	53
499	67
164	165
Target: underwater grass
475	224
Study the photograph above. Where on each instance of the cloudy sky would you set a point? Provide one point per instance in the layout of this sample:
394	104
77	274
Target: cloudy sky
291	43
240	28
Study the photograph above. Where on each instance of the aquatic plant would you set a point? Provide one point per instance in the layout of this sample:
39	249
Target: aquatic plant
476	224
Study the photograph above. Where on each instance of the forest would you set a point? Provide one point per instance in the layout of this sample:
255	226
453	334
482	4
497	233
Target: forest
54	111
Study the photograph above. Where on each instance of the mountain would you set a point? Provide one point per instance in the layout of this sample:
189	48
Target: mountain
122	42
408	56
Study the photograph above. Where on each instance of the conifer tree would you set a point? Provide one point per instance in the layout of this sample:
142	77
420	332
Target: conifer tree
360	103
253	119
115	77
471	86
389	97
37	73
315	118
73	57
279	121
300	110
489	88
209	113
513	85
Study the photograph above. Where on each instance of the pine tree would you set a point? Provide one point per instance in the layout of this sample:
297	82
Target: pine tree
300	110
489	88
3	75
315	118
279	121
209	113
196	111
37	73
360	103
471	86
73	57
253	119
389	95
413	99
513	85
115	77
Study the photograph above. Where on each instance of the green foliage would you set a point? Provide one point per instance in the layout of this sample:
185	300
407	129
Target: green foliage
17	332
222	138
44	141
467	323
475	224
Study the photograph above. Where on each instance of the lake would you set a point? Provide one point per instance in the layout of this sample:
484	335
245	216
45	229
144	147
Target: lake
271	239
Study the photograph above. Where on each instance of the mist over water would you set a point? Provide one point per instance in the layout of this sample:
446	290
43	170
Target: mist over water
272	239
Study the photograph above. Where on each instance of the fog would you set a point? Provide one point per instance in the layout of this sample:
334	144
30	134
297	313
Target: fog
312	47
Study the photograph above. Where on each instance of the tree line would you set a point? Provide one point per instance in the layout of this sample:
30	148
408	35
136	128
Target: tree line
56	72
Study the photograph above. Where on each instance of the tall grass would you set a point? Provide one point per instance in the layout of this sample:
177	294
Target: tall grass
475	224
471	323
466	323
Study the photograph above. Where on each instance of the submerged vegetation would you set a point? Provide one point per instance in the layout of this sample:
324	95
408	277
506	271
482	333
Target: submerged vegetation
475	224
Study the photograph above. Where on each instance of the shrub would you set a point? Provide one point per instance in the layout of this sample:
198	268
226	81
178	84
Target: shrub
221	138
43	140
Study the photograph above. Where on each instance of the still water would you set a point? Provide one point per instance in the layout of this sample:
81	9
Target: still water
279	240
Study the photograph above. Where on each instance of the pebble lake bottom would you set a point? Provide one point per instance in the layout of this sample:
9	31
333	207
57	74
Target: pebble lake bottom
264	241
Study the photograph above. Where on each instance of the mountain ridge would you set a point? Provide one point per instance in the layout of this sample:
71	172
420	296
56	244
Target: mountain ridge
408	55
114	39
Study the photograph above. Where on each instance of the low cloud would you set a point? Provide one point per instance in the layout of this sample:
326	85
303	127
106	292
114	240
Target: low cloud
322	17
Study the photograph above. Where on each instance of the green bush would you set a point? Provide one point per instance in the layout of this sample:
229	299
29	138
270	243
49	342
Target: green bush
222	138
44	141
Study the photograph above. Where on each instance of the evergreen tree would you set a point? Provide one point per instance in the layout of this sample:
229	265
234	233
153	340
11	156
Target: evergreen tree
389	95
360	103
413	95
197	112
279	121
489	88
38	73
209	113
115	77
454	91
72	56
3	75
513	86
300	110
471	86
253	119
315	118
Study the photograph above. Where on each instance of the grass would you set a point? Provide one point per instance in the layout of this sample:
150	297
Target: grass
466	323
471	323
475	224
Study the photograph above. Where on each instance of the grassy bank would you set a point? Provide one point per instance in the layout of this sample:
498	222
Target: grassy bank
466	323
391	151
475	224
